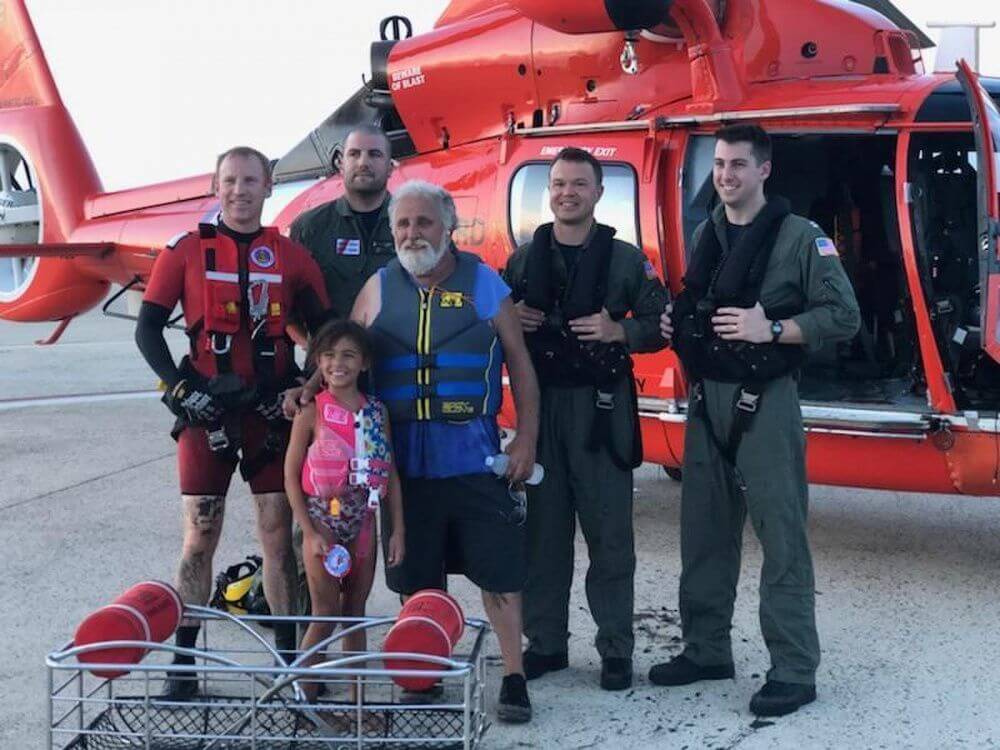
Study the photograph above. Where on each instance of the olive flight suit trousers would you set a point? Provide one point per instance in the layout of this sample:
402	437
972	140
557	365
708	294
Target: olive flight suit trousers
584	484
713	510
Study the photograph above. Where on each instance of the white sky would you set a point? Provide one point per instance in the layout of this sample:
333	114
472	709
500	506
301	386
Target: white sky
156	86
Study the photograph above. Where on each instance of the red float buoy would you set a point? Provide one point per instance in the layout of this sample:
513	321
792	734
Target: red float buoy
159	604
115	622
431	622
441	607
417	635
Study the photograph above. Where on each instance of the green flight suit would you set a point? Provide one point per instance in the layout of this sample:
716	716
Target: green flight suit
585	483
346	255
805	274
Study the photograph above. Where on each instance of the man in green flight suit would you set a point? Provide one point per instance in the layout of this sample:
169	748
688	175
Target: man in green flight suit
763	288
350	237
574	285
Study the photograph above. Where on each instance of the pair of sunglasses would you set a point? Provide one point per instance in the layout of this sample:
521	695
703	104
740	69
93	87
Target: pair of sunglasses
519	495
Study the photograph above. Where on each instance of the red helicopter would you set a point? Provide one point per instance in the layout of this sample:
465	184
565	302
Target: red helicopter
899	166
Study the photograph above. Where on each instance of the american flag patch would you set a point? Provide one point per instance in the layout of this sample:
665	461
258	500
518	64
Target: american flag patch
650	271
826	247
348	247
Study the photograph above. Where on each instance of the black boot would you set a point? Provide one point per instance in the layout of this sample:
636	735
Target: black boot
682	671
179	687
285	641
535	664
182	686
780	698
616	673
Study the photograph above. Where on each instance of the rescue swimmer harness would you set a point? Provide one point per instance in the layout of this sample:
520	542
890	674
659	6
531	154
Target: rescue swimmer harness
235	281
715	279
560	358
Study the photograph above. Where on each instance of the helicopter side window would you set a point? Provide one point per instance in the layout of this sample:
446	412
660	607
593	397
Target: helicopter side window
697	189
529	201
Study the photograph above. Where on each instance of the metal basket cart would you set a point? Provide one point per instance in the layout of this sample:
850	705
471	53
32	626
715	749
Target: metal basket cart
246	702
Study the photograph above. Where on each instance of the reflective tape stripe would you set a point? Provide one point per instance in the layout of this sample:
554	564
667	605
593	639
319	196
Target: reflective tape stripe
232	278
271	278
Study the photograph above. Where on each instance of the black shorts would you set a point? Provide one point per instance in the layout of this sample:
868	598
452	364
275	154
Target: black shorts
468	522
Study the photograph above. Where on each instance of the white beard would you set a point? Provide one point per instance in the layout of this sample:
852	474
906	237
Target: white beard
422	259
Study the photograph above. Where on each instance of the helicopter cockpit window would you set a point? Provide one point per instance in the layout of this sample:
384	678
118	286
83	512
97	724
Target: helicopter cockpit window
529	201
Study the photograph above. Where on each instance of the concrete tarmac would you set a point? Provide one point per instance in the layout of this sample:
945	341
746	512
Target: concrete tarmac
908	594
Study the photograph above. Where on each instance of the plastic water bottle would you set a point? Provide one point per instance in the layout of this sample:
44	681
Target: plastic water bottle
498	465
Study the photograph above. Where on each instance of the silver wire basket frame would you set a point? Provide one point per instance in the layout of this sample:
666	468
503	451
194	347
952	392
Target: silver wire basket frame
245	701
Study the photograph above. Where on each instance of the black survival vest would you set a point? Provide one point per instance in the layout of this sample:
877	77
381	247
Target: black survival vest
559	357
715	280
735	279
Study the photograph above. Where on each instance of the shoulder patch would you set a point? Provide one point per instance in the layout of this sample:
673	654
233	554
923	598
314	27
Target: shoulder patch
172	242
826	247
647	266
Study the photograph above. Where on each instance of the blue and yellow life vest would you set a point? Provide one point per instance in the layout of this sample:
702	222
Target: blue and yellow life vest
434	358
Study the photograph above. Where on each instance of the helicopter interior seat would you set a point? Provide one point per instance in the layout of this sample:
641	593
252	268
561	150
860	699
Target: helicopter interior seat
945	220
848	219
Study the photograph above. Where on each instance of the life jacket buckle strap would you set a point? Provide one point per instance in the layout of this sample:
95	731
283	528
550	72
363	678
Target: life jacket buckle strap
218	440
605	400
223	347
747	401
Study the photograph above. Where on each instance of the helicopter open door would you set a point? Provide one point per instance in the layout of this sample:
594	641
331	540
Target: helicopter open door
986	126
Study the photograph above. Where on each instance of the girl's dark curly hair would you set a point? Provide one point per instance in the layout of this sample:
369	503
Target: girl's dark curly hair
333	331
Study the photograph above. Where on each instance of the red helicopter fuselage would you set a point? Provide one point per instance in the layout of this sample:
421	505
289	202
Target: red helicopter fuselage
898	166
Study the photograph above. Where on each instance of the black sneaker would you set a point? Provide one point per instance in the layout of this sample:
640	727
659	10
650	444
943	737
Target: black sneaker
780	698
616	673
179	687
514	706
682	671
535	664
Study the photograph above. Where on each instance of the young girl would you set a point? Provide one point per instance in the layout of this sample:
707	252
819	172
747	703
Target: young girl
338	469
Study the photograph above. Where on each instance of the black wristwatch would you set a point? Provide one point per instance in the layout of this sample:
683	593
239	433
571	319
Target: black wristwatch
776	331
